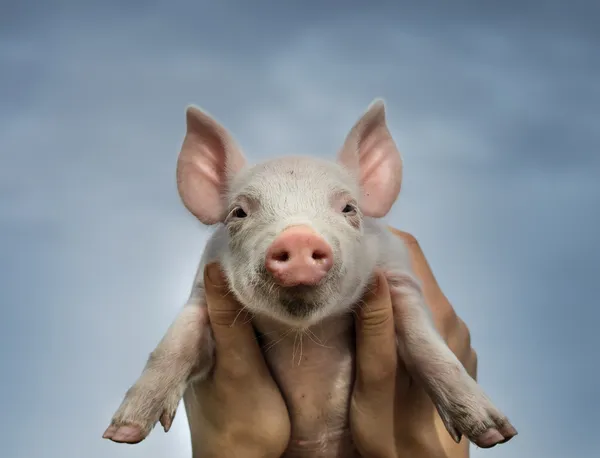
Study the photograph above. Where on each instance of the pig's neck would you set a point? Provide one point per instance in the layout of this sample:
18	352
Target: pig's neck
315	372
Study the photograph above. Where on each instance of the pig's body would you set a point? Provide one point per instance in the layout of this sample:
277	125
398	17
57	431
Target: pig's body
315	374
314	368
299	240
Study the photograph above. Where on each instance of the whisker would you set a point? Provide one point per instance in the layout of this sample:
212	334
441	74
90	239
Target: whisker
249	319
270	332
300	358
309	331
294	348
272	344
236	316
319	343
360	304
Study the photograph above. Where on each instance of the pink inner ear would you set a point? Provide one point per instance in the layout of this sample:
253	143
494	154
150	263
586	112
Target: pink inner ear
380	173
371	154
209	157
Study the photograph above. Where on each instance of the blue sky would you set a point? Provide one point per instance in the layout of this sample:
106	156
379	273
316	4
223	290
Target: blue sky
496	110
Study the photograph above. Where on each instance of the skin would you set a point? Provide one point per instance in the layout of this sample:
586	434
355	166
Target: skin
390	414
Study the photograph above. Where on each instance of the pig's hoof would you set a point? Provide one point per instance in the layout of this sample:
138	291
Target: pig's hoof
493	436
493	430
125	434
139	412
484	433
468	411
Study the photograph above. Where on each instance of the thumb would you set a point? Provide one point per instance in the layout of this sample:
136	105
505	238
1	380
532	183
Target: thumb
235	340
223	308
376	349
373	396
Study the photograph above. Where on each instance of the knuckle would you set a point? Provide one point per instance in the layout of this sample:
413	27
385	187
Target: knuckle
466	334
233	367
409	238
233	372
375	320
226	316
462	337
378	372
386	373
406	236
473	361
450	321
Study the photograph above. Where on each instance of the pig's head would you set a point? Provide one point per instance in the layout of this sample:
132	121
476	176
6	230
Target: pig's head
295	251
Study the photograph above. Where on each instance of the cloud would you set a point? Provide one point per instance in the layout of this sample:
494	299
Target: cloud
496	115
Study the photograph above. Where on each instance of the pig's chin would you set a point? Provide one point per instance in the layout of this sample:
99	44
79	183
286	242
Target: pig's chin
297	306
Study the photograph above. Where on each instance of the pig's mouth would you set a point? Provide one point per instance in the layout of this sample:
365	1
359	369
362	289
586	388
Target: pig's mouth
298	291
298	302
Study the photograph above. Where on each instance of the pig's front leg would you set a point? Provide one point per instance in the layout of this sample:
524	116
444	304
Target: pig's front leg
184	353
460	401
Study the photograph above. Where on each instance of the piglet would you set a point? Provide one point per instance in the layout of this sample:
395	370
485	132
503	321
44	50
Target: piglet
299	239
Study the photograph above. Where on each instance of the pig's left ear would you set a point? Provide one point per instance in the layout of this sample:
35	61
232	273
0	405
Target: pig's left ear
371	154
208	159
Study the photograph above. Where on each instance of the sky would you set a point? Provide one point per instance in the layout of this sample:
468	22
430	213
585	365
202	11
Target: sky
496	109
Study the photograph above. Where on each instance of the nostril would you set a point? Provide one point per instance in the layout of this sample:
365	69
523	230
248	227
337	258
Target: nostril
282	256
319	255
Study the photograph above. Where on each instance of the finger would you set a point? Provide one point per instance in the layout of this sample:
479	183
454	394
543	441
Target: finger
376	351
238	353
444	315
372	403
458	339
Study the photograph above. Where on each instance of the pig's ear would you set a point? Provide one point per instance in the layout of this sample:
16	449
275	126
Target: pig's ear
371	154
209	157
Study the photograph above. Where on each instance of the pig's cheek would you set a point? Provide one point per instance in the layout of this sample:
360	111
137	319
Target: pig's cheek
240	286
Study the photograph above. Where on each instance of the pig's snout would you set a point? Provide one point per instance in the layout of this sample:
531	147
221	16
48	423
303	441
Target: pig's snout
299	256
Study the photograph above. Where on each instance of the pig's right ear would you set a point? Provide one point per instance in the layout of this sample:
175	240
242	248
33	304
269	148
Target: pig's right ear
370	153
209	157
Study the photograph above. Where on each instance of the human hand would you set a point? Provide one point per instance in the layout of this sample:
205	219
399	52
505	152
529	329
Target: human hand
238	410
391	415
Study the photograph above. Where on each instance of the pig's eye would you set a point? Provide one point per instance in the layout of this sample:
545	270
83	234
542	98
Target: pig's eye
239	213
349	209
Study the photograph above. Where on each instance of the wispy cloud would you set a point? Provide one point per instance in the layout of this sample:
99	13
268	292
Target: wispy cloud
496	111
